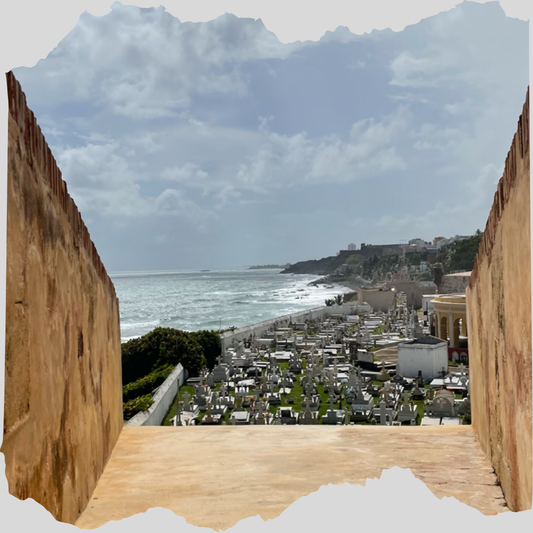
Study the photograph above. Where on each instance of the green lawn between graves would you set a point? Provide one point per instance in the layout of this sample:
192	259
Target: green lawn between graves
296	394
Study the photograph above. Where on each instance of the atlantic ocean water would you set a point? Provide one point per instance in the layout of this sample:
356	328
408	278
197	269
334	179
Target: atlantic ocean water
192	300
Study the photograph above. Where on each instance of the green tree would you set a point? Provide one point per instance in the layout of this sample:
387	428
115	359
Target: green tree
463	253
160	347
132	407
211	346
146	384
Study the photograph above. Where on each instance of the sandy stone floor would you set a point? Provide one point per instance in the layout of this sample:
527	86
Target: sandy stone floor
175	468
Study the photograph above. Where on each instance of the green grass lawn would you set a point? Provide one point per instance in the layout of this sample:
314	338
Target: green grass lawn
174	407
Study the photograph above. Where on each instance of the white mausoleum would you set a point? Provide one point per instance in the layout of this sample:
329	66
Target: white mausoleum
427	354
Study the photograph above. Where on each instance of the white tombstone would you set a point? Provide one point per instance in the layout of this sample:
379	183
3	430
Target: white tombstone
208	416
385	415
186	399
408	411
347	414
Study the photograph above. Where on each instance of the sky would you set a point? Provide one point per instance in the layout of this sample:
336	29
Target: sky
214	144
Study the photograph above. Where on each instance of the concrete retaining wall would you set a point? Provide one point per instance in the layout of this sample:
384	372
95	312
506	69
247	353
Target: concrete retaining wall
163	399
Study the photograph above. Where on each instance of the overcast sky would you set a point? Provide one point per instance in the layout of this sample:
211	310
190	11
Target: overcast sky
214	145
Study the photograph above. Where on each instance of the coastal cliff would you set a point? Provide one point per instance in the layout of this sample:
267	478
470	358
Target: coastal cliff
319	267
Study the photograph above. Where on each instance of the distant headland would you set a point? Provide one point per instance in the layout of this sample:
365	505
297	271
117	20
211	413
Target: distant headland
259	267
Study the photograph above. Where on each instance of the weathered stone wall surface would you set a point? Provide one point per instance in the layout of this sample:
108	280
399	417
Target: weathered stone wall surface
453	284
63	389
378	300
499	328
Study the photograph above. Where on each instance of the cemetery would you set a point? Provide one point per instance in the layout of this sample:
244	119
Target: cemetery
326	371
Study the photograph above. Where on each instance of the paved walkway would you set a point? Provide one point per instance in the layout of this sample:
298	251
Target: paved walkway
205	474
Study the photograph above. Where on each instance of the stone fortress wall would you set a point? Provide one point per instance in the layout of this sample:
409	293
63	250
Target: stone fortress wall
454	283
63	386
499	328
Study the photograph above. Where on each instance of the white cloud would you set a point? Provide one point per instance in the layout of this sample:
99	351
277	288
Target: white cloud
145	140
95	137
100	179
186	173
147	64
432	137
177	124
429	69
473	203
280	161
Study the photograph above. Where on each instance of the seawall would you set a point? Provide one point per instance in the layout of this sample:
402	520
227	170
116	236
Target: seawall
63	387
499	327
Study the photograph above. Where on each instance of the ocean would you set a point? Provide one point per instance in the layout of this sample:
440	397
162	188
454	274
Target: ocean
192	300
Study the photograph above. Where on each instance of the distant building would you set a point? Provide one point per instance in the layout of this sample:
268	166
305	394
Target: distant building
352	246
449	317
428	355
420	243
411	249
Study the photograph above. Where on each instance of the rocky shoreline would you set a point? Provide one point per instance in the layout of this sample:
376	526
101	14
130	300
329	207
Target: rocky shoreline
348	296
326	281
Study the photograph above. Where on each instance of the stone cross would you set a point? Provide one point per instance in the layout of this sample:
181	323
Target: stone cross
307	403
186	399
200	390
382	414
359	388
178	412
208	417
405	398
331	401
347	415
223	390
219	360
308	388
